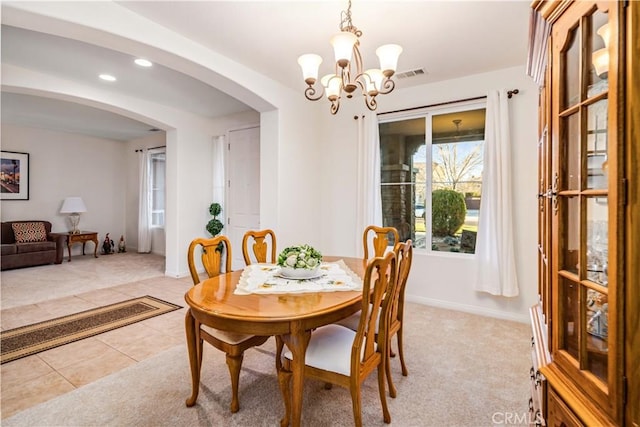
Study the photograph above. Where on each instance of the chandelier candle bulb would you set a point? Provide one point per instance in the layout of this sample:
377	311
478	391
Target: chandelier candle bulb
343	47
374	81
388	56
331	84
310	63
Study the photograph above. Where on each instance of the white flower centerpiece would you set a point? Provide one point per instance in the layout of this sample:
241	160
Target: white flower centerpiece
299	262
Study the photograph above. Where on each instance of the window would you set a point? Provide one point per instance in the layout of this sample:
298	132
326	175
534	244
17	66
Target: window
437	207
157	179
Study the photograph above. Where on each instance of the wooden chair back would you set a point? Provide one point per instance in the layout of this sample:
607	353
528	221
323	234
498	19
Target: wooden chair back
262	240
371	338
394	302
378	239
214	250
404	258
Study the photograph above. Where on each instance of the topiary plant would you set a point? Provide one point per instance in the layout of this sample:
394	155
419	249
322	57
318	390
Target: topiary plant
214	226
448	212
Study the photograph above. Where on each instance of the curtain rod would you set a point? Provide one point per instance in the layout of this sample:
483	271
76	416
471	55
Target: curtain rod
153	148
510	94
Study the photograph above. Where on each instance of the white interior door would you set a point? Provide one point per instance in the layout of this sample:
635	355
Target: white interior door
243	188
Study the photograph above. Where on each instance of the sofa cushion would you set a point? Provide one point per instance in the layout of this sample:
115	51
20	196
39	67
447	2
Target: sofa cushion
26	232
8	250
23	248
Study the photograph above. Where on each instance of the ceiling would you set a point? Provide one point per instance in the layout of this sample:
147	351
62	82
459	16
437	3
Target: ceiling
448	39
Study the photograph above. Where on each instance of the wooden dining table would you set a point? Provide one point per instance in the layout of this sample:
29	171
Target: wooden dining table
291	317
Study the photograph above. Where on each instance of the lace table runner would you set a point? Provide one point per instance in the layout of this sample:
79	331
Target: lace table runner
265	279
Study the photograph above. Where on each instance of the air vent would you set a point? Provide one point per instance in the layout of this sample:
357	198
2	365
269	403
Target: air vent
411	73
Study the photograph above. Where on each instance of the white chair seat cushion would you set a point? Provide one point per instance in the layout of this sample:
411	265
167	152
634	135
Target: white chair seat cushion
352	321
329	349
228	337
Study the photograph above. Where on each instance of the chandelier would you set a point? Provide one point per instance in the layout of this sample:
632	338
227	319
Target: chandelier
348	77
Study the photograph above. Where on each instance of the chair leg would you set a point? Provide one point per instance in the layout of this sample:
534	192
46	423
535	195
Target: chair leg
200	356
356	404
405	372
235	364
387	367
284	381
383	397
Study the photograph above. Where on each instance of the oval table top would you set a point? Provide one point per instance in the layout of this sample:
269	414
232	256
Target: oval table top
214	303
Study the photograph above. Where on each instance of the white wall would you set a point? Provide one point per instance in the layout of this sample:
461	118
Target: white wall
441	279
63	165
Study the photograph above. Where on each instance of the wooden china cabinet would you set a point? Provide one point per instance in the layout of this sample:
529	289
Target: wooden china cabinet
586	328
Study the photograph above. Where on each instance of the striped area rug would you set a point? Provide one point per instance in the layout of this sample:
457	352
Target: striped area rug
32	339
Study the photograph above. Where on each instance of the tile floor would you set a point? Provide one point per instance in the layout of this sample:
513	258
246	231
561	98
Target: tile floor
35	379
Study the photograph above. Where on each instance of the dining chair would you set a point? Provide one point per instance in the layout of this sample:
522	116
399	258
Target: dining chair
260	246
404	258
378	239
214	250
340	356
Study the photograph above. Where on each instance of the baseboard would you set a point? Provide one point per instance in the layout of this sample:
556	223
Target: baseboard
521	318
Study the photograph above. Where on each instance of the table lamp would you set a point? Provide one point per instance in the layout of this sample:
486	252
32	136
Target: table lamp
73	206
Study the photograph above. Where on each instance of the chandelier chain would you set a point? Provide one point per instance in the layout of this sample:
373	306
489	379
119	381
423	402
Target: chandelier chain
346	24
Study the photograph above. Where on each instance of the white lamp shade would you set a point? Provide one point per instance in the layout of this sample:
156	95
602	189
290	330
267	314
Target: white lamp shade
374	80
73	205
600	59
605	33
310	63
388	55
343	45
331	84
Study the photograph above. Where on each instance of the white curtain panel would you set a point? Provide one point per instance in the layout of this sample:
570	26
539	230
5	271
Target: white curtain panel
369	203
218	168
144	206
496	265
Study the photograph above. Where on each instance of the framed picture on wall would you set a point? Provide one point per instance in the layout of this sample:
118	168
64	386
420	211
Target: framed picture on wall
14	176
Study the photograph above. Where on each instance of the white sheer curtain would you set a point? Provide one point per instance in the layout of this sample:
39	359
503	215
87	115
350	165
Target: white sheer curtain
144	205
494	250
369	203
218	168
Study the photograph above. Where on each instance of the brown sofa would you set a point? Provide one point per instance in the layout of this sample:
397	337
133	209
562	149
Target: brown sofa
15	255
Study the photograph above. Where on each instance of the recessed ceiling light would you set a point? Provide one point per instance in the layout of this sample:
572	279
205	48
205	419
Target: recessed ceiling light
143	62
107	77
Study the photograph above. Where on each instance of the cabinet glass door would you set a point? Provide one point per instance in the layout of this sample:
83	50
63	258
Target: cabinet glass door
584	212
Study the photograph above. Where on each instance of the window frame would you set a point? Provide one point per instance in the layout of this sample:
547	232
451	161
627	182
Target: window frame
154	158
428	113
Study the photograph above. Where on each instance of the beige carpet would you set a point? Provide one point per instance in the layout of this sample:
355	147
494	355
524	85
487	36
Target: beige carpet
464	370
31	285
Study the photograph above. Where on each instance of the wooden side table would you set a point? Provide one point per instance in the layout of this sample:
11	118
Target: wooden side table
81	237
